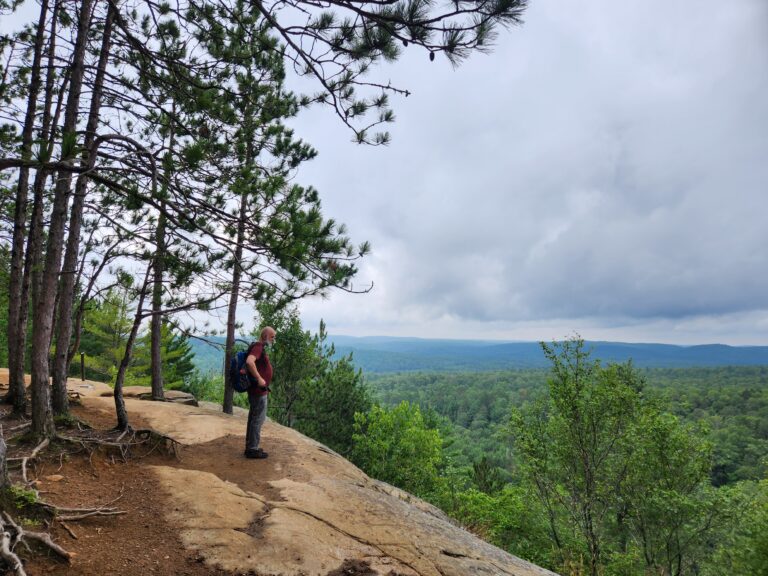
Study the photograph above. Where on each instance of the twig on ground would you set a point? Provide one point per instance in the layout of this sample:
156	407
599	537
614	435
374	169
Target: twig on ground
56	508
93	513
68	529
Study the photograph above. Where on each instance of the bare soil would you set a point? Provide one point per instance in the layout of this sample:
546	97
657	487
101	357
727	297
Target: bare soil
141	542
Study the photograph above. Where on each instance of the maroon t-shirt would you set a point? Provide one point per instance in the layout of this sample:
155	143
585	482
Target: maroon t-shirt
262	365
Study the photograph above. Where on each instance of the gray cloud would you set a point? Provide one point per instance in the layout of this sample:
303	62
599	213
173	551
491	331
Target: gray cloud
606	165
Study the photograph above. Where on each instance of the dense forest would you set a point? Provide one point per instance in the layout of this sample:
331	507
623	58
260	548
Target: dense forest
387	355
730	403
593	468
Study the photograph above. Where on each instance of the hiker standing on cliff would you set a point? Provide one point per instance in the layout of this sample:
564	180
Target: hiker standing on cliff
260	371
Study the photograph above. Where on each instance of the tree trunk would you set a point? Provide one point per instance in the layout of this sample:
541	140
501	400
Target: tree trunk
33	256
67	284
42	417
229	347
159	265
84	298
237	269
157	304
16	393
122	413
593	543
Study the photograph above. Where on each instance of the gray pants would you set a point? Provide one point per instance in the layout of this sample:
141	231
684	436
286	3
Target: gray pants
257	413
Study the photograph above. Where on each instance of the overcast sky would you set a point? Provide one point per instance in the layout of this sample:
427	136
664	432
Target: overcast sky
604	171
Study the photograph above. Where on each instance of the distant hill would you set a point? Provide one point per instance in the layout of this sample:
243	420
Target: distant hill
208	358
391	354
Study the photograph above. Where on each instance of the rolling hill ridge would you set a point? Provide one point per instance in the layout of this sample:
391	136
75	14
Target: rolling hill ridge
381	354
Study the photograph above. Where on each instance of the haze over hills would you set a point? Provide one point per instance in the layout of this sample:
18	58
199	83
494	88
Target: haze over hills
393	354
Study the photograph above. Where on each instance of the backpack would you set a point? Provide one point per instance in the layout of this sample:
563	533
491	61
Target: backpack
240	382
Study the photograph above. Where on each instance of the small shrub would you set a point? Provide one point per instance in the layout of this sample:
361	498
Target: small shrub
22	496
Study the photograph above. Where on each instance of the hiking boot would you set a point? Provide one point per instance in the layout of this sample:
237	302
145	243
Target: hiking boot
258	453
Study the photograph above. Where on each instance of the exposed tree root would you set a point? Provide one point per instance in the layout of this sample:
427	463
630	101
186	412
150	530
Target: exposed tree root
130	443
7	554
157	440
127	440
63	514
32	456
13	534
23	426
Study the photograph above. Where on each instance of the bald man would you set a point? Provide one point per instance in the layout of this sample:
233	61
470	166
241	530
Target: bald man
260	371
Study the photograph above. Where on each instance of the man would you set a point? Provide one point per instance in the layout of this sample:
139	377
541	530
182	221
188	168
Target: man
260	371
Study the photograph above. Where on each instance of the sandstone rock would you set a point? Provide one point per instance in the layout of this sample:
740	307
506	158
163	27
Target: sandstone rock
305	510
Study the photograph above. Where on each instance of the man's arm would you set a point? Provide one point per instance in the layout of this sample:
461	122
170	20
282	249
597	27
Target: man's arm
250	363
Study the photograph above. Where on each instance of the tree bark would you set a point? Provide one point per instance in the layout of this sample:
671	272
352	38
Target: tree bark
84	298
33	255
16	392
229	346
67	283
156	331
156	335
122	413
42	417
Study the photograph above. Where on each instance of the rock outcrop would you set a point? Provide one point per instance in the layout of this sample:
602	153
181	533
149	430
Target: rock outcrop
304	511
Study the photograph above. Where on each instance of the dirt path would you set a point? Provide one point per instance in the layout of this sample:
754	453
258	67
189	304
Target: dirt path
140	543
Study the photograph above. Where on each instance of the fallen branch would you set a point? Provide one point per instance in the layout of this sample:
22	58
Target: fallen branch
68	529
91	514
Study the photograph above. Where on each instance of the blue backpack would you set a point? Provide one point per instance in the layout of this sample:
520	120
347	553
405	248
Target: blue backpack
240	382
